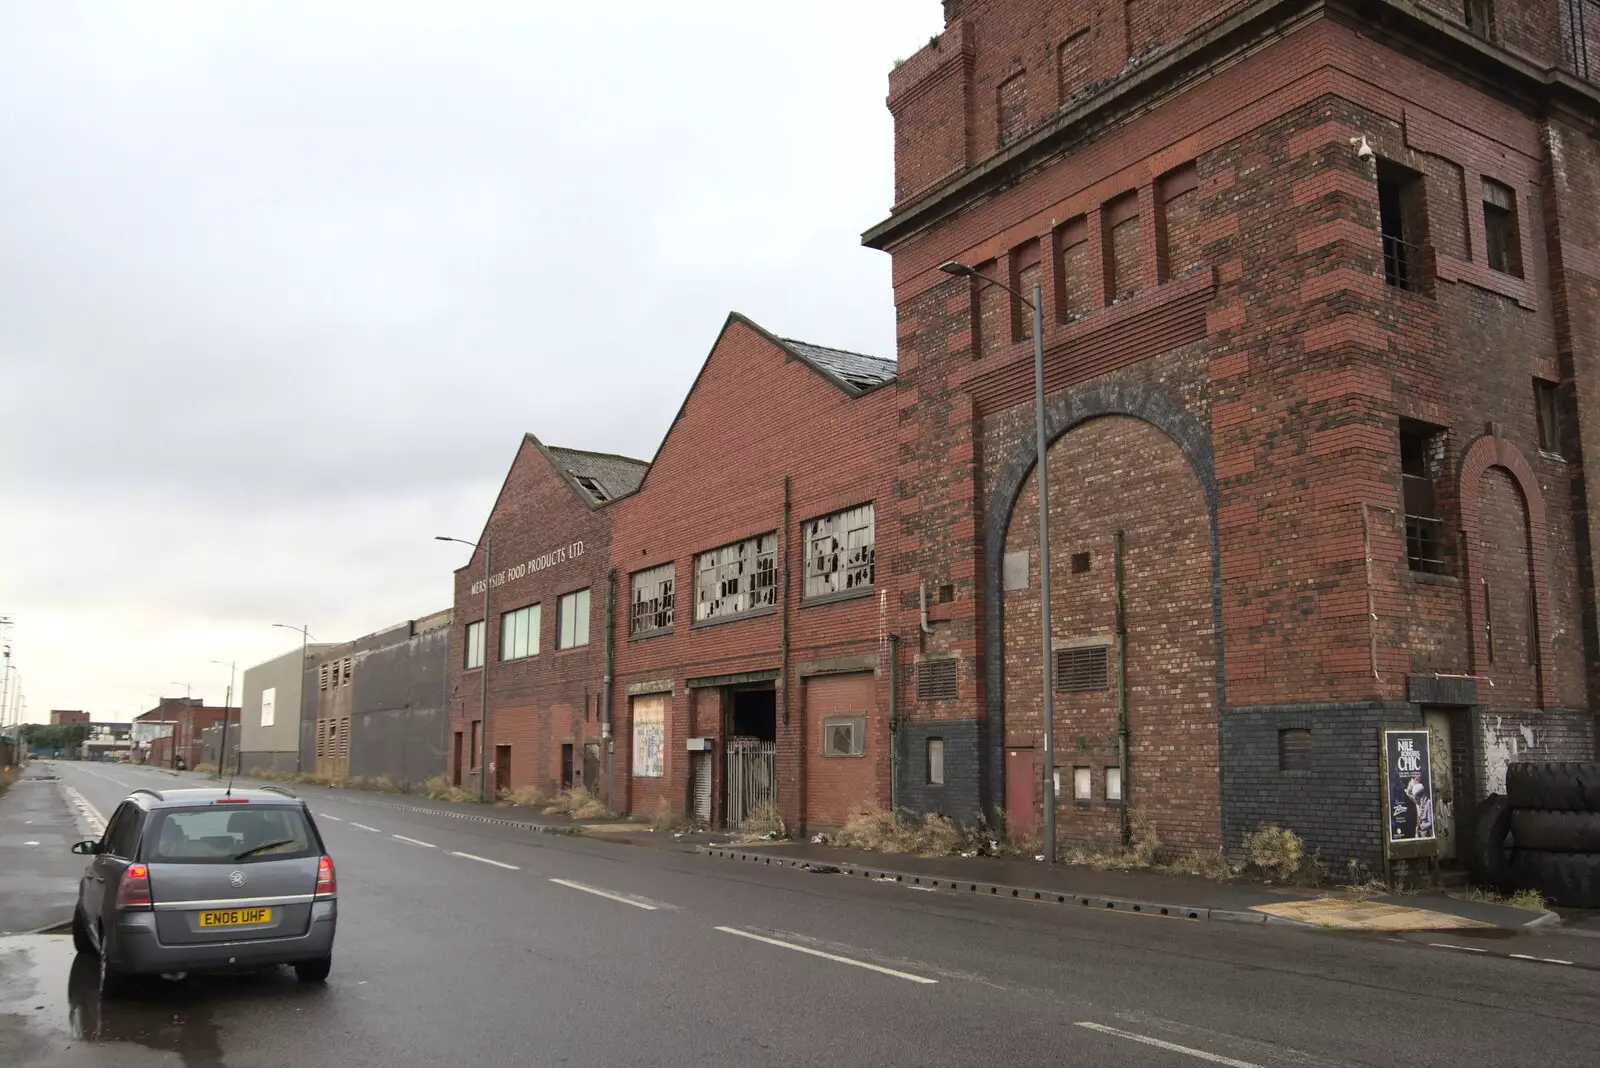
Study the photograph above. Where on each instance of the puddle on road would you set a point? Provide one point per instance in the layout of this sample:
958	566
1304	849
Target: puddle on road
50	1006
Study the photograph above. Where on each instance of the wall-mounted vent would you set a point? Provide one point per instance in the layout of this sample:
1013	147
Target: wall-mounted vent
1083	669
936	680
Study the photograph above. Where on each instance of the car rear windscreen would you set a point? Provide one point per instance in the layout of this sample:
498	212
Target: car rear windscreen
227	834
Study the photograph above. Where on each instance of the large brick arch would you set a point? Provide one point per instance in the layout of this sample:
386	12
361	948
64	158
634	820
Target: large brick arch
1487	452
1015	463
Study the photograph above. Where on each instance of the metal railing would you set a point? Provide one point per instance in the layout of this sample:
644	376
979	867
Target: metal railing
1425	544
1402	264
752	778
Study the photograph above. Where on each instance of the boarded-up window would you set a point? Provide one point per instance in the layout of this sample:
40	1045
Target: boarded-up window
651	600
1180	222
344	739
1083	669
650	736
269	706
840	552
1011	108
1294	749
1072	65
1016	570
1026	272
844	736
323	673
737	578
1075	267
346	669
1113	783
1124	247
936	761
936	679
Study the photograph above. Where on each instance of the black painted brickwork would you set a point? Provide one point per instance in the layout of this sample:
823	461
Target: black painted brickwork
958	798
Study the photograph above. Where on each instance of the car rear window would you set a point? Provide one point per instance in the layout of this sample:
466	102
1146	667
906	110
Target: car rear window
225	834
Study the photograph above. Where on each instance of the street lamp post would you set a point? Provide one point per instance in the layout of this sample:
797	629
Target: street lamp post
300	713
227	712
961	270
483	672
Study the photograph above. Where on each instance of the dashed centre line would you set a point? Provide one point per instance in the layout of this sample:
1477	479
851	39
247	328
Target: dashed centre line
597	892
1464	949
414	841
480	860
1541	960
364	827
832	956
1171	1047
325	816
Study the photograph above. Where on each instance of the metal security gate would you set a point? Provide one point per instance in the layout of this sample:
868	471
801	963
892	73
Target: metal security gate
752	775
702	786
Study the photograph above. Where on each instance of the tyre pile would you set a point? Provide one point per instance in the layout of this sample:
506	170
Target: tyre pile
1543	834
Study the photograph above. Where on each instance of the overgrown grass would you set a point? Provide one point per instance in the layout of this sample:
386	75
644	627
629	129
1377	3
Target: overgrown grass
1532	900
440	788
765	825
882	831
668	821
580	804
524	797
1146	852
206	769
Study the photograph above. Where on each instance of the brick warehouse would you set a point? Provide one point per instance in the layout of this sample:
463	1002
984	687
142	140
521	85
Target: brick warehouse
1320	408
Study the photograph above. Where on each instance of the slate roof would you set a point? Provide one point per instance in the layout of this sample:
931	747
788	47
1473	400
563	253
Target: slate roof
607	475
852	368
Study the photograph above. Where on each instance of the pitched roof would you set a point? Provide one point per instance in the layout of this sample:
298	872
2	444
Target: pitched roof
852	368
603	476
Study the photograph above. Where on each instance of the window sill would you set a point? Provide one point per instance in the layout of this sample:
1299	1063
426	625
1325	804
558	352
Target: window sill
518	659
844	756
575	649
1428	578
1553	457
741	617
835	598
646	635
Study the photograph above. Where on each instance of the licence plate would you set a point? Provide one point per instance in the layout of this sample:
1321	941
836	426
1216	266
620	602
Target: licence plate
235	917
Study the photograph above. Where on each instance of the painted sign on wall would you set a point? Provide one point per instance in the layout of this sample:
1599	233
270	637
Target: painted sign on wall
539	563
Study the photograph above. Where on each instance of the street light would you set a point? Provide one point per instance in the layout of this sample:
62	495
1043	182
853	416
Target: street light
961	270
300	713
483	677
227	707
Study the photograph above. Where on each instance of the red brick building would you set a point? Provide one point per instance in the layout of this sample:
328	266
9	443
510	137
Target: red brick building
1320	283
548	539
59	716
178	724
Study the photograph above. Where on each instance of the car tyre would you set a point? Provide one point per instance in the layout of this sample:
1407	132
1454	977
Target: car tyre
80	933
1569	879
1556	832
313	971
1560	786
113	983
1487	854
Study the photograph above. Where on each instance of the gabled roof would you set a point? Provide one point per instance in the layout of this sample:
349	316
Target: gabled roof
851	368
603	476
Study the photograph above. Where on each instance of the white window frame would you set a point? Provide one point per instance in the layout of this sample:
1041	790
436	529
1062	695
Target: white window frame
840	553
934	769
652	594
858	735
571	610
519	632
738	579
474	643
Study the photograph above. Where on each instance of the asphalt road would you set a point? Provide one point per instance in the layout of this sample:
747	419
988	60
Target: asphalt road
470	943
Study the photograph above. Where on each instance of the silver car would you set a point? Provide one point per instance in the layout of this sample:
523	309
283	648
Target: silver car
207	880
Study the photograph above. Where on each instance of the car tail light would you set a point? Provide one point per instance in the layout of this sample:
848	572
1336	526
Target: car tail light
133	892
327	884
231	801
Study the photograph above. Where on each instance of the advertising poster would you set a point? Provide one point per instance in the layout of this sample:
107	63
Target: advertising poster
1408	768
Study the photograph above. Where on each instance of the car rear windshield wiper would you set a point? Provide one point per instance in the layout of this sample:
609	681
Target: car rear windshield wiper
264	848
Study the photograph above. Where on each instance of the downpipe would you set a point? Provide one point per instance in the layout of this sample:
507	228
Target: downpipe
605	717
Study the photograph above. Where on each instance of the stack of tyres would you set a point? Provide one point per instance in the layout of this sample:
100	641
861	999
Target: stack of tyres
1555	829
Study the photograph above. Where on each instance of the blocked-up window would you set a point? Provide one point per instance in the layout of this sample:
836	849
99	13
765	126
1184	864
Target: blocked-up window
1014	570
1294	749
519	633
1179	195
1083	784
650	600
1011	108
991	309
935	753
1501	234
840	552
1072	65
1544	403
1026	272
1113	783
936	679
572	613
1124	247
844	736
1075	267
474	644
649	736
1083	669
736	579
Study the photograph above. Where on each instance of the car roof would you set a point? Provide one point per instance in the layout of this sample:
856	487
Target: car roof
187	797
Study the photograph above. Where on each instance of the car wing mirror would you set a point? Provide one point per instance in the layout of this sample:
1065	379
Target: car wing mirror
86	848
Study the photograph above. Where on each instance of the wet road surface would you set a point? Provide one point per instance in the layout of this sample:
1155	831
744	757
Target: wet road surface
465	942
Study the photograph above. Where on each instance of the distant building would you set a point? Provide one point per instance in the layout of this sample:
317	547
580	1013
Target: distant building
60	716
184	720
274	727
108	741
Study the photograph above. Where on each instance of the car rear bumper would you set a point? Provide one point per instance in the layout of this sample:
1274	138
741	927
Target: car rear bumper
136	948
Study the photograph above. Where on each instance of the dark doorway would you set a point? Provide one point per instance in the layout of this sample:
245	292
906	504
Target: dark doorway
502	770
754	714
591	765
455	761
566	765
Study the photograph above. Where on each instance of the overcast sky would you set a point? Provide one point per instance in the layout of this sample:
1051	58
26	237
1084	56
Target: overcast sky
282	284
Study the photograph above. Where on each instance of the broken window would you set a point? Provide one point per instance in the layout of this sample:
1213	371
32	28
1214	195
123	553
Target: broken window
1501	235
322	677
844	736
1421	455
1480	18
593	488
839	552
736	579
346	668
651	604
1401	218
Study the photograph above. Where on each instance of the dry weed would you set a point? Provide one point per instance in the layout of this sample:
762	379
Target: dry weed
667	821
882	831
580	804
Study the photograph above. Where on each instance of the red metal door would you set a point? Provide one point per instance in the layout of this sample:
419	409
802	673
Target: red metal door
1021	776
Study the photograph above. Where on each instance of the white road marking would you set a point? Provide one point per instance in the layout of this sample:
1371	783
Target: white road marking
1541	960
364	827
828	956
93	822
481	860
597	892
1171	1047
325	816
1464	949
414	841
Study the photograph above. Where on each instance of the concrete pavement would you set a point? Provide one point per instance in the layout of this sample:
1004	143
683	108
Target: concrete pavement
468	942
